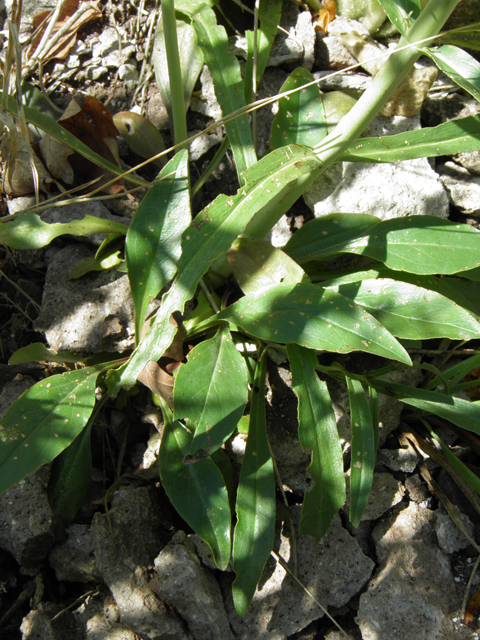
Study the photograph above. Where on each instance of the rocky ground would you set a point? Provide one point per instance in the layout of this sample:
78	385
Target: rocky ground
128	567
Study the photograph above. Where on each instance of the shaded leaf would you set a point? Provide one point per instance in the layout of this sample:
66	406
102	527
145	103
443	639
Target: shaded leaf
362	451
255	507
317	430
463	413
404	244
141	135
152	246
70	476
256	264
211	391
197	491
191	62
312	317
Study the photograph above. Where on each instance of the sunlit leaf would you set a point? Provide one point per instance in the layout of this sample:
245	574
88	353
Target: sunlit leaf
28	231
44	421
459	65
257	264
408	311
211	390
312	317
152	247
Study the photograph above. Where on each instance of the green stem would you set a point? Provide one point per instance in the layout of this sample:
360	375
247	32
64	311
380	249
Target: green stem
174	71
428	24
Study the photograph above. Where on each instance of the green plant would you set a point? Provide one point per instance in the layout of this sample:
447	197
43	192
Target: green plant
289	303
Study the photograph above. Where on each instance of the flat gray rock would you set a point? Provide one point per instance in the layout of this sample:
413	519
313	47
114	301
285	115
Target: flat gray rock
412	594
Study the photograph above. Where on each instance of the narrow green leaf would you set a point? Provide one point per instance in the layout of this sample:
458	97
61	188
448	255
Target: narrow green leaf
404	244
466	473
317	429
211	391
270	12
408	311
459	65
255	529
456	136
70	476
463	413
153	247
456	373
191	63
467	37
28	231
227	80
312	317
362	451
401	12
38	352
301	116
197	490
44	421
256	264
374	412
328	235
211	234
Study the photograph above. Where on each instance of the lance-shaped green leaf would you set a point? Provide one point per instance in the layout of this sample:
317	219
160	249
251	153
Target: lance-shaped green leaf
38	352
312	317
457	136
317	430
255	529
153	244
274	183
70	476
256	264
408	311
362	451
404	244
211	391
227	80
28	231
191	62
463	413
44	421
401	12
301	115
270	12
459	65
196	490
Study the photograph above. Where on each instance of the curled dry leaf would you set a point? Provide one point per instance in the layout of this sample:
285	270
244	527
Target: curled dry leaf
66	42
18	160
327	15
92	123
